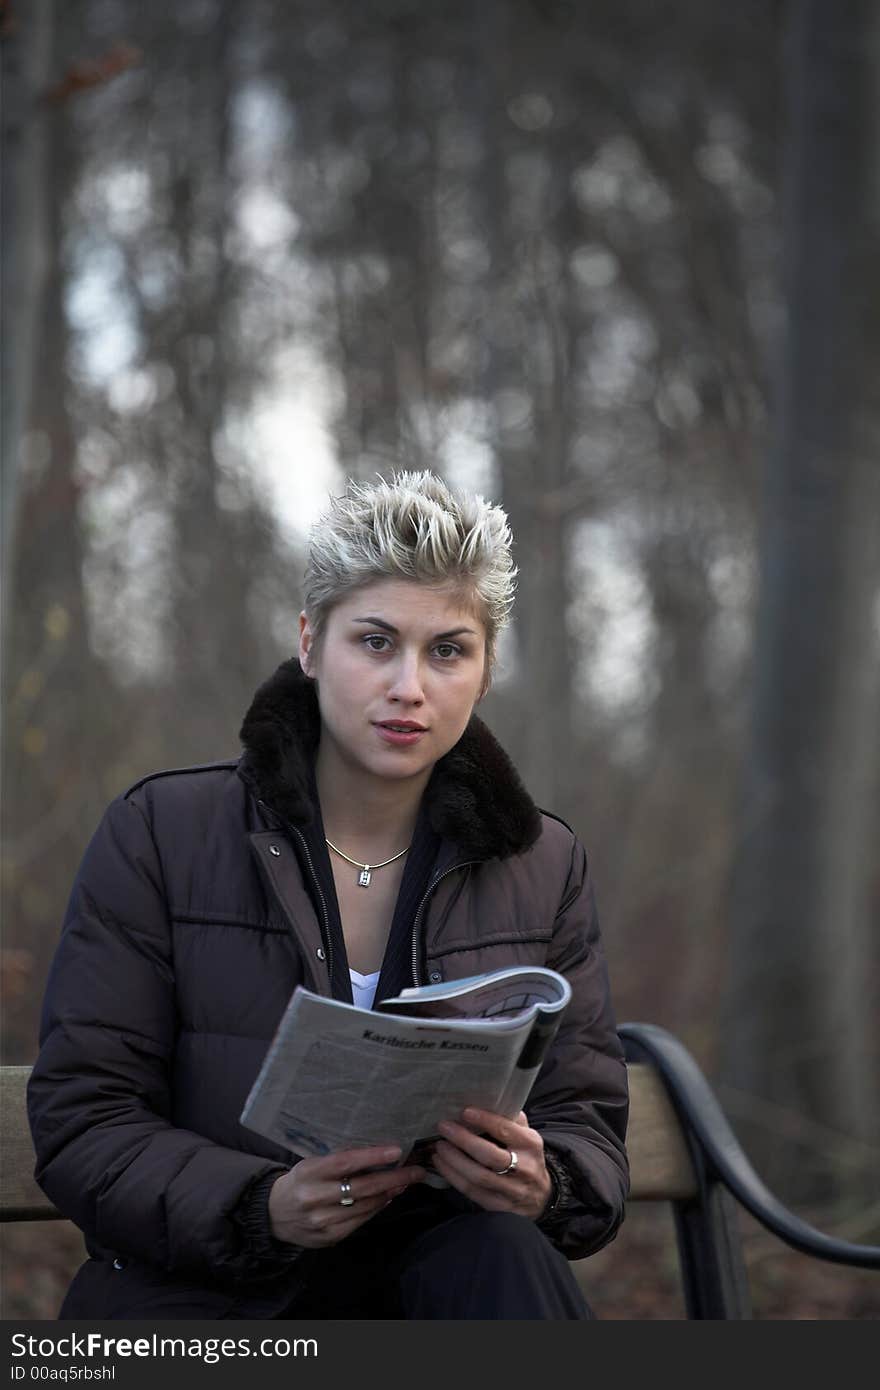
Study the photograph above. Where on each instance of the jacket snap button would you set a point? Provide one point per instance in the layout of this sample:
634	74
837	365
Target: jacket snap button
118	1264
320	953
273	849
435	977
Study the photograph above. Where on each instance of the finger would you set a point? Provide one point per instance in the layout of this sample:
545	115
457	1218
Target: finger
466	1168
371	1185
483	1151
472	1168
473	1180
330	1214
340	1220
501	1129
346	1161
517	1191
340	1223
332	1229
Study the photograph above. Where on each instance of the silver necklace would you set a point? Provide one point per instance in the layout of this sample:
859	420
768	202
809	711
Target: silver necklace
366	870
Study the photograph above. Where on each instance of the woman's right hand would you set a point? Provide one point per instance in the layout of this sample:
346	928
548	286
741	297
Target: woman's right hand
304	1204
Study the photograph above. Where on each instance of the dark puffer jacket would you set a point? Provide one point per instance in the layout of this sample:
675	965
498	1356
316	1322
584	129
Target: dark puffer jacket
186	933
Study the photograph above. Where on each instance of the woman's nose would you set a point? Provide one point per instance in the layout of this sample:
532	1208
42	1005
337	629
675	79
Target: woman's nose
406	682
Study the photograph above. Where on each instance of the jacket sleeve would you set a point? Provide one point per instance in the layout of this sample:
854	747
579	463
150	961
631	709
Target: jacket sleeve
580	1100
108	1154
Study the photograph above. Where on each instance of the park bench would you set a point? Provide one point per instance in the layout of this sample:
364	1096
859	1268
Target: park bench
681	1150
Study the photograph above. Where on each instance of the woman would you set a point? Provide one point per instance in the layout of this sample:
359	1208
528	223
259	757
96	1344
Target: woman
372	836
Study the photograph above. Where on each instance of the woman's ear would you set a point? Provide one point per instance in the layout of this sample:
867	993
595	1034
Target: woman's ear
306	645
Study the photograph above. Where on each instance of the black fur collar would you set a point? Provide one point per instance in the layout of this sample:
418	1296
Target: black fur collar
475	796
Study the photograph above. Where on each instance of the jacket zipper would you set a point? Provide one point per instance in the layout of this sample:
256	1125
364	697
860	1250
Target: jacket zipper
325	934
328	945
453	868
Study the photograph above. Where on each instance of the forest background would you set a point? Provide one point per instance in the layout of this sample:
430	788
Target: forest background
614	265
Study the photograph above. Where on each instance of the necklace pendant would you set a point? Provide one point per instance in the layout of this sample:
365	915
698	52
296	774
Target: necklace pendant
364	880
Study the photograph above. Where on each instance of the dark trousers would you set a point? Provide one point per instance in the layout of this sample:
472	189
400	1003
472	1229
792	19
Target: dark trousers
429	1254
439	1256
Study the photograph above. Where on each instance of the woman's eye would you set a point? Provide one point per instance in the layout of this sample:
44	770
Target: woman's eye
376	642
447	650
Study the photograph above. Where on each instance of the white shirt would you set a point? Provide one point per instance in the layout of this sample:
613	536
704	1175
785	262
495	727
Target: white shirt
363	988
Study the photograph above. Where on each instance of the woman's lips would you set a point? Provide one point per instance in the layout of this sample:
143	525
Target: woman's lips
400	736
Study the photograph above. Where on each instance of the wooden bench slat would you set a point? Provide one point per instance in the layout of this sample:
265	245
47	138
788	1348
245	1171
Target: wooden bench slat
660	1166
20	1197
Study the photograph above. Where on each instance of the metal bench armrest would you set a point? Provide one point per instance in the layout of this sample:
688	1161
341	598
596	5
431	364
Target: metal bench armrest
719	1151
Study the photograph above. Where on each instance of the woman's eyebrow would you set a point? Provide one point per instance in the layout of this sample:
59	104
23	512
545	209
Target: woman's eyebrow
438	636
377	622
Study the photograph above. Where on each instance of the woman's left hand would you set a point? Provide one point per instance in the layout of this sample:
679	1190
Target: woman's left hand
471	1162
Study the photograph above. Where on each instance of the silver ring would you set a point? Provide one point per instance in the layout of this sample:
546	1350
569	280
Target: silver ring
346	1200
511	1165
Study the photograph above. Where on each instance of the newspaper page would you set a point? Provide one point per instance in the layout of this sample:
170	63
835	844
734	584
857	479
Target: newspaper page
337	1076
503	994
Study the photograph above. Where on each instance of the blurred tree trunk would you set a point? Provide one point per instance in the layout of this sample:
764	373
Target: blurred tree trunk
48	773
25	48
801	1024
218	549
528	378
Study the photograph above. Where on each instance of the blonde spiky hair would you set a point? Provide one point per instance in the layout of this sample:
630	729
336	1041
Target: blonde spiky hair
414	527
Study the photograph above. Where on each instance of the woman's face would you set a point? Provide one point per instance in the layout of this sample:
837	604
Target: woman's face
399	668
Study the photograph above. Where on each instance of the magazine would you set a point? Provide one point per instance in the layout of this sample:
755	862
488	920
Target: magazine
337	1076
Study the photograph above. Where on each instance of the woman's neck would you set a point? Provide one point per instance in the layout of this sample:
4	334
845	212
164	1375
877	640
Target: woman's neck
374	815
